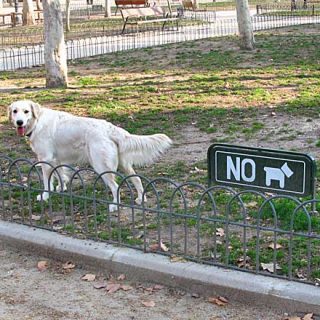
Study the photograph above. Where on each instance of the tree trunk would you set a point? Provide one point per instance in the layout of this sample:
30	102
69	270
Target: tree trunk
1	3
67	15
245	26
27	13
107	12
55	54
39	6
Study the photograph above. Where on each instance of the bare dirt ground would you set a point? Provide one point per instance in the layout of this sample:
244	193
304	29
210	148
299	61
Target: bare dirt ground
280	131
56	293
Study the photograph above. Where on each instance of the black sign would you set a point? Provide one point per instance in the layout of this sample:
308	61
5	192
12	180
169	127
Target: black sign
267	170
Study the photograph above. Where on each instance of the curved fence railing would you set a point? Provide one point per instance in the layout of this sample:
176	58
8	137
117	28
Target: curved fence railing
245	230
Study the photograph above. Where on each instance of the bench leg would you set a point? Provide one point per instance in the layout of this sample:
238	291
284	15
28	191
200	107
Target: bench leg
164	23
124	26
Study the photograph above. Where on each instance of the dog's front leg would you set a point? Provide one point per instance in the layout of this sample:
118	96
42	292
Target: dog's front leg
46	171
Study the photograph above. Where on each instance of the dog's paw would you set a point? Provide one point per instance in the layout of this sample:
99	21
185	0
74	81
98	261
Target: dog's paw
113	207
59	189
43	197
139	200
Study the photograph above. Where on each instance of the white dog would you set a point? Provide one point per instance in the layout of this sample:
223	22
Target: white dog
61	138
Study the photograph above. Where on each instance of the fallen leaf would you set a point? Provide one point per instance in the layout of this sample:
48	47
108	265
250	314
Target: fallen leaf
223	299
270	267
68	265
155	247
113	287
177	259
308	316
163	247
100	285
121	277
243	262
252	204
275	246
42	265
301	275
125	287
149	303
195	295
89	277
220	232
196	170
220	301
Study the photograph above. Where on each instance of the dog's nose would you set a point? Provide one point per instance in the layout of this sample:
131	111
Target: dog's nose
19	123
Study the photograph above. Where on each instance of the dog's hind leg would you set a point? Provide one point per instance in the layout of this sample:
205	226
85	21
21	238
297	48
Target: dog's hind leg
63	177
128	170
104	158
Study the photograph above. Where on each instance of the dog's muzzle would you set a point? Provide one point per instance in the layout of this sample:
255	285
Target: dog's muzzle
21	129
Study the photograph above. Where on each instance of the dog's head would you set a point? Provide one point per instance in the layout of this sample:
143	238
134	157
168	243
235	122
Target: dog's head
23	114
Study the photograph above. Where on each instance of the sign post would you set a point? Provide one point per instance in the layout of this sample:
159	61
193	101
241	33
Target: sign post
267	170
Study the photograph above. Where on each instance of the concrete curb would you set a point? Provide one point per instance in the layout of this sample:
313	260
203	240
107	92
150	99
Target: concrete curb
206	280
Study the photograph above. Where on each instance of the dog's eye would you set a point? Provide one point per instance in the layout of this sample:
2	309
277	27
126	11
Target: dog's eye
15	111
26	111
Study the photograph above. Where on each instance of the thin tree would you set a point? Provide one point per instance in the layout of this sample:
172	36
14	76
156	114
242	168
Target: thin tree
27	13
107	12
55	54
247	41
67	15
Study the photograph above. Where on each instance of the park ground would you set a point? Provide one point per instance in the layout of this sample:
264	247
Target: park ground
199	93
28	291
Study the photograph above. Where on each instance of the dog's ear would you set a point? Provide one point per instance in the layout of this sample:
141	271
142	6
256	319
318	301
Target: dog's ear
35	108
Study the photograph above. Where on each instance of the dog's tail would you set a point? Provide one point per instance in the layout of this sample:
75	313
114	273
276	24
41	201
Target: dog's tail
140	150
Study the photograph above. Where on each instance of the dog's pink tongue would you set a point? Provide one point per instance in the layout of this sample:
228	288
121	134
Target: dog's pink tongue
21	131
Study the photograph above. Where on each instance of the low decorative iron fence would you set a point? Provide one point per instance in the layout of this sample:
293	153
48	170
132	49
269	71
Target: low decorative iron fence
272	235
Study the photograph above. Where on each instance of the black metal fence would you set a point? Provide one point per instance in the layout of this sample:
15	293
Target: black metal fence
272	235
305	8
28	56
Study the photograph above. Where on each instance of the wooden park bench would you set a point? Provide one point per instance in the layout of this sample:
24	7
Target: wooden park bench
4	19
123	4
137	16
13	19
38	15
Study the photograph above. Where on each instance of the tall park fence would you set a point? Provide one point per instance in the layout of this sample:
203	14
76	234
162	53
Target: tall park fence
278	236
14	57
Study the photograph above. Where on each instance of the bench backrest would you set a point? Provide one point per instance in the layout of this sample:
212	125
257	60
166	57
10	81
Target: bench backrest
122	2
142	12
131	2
188	5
